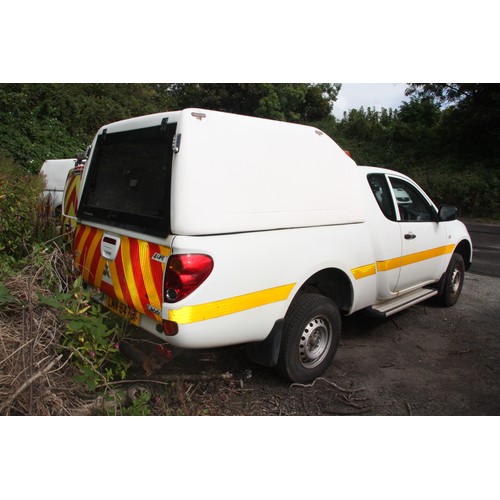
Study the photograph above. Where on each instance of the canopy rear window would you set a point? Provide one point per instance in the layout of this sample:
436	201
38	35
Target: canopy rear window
129	179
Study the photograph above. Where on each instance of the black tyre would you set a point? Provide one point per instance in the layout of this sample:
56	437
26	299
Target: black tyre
453	281
311	336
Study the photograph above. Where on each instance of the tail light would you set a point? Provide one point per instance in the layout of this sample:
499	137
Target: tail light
184	274
170	328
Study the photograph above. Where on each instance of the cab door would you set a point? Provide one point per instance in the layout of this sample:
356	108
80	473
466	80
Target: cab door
387	237
423	239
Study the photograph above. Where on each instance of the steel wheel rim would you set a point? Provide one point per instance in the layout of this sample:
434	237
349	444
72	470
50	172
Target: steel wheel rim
315	341
456	280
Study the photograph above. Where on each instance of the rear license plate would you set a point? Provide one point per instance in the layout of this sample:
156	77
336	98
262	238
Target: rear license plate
123	310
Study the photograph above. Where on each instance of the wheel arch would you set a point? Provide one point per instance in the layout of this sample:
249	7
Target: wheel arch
464	248
332	283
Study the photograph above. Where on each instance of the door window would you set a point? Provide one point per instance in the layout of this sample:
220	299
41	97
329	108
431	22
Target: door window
411	203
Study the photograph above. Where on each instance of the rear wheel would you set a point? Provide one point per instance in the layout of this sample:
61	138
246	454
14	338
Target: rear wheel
453	281
311	336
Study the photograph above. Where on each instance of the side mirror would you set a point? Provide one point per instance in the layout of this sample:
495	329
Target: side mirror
447	213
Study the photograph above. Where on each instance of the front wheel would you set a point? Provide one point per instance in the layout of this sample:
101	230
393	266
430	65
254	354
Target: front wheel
311	336
453	281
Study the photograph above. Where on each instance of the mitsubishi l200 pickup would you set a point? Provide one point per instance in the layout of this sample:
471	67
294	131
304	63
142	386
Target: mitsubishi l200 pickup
211	229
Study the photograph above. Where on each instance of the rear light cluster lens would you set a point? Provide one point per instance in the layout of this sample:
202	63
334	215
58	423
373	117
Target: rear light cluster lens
184	274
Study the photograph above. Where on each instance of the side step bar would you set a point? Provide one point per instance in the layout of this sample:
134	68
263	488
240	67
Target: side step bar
392	306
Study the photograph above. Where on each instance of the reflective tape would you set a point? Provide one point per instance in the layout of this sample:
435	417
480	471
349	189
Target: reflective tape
135	278
405	260
364	271
210	310
70	205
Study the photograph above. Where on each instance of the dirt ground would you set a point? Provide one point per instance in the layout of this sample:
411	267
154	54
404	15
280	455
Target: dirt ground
426	360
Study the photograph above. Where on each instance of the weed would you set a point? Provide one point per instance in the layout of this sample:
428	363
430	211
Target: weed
91	336
25	217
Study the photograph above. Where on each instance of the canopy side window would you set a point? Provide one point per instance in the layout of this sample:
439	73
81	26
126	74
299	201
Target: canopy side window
382	193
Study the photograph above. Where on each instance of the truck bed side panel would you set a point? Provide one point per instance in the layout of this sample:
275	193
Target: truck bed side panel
256	276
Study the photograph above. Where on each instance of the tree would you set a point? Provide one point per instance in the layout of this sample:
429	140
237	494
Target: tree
470	125
56	120
41	121
444	93
418	127
296	102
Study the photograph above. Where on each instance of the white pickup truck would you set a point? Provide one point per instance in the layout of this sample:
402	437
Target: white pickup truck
54	173
211	229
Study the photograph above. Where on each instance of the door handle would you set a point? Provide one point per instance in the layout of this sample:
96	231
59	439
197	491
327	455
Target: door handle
410	236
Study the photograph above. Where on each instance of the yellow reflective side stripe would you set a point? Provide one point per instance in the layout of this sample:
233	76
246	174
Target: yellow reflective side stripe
210	310
427	254
191	314
387	265
364	271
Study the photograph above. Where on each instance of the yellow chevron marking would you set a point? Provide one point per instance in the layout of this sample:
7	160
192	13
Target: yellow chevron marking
90	255
129	274
99	271
116	281
147	276
86	231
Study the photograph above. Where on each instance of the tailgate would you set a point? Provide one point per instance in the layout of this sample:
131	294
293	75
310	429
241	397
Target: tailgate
134	276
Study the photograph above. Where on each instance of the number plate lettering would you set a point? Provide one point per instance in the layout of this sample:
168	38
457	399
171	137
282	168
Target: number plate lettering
123	310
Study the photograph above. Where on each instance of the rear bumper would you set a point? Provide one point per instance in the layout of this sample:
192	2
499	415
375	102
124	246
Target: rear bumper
251	325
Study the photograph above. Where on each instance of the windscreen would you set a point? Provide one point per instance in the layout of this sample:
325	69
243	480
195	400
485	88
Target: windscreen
128	183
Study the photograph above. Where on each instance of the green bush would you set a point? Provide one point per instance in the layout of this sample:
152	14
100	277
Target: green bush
475	192
91	336
24	217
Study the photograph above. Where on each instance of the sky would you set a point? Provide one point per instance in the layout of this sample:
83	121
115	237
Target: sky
375	95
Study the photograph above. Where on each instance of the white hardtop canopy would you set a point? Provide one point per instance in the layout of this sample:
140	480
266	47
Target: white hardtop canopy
235	173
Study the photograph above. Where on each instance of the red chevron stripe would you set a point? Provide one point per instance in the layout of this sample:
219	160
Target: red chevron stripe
108	290
139	276
156	269
86	245
121	276
71	197
78	234
95	261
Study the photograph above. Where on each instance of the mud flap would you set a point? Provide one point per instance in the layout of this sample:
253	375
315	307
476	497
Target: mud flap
266	352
